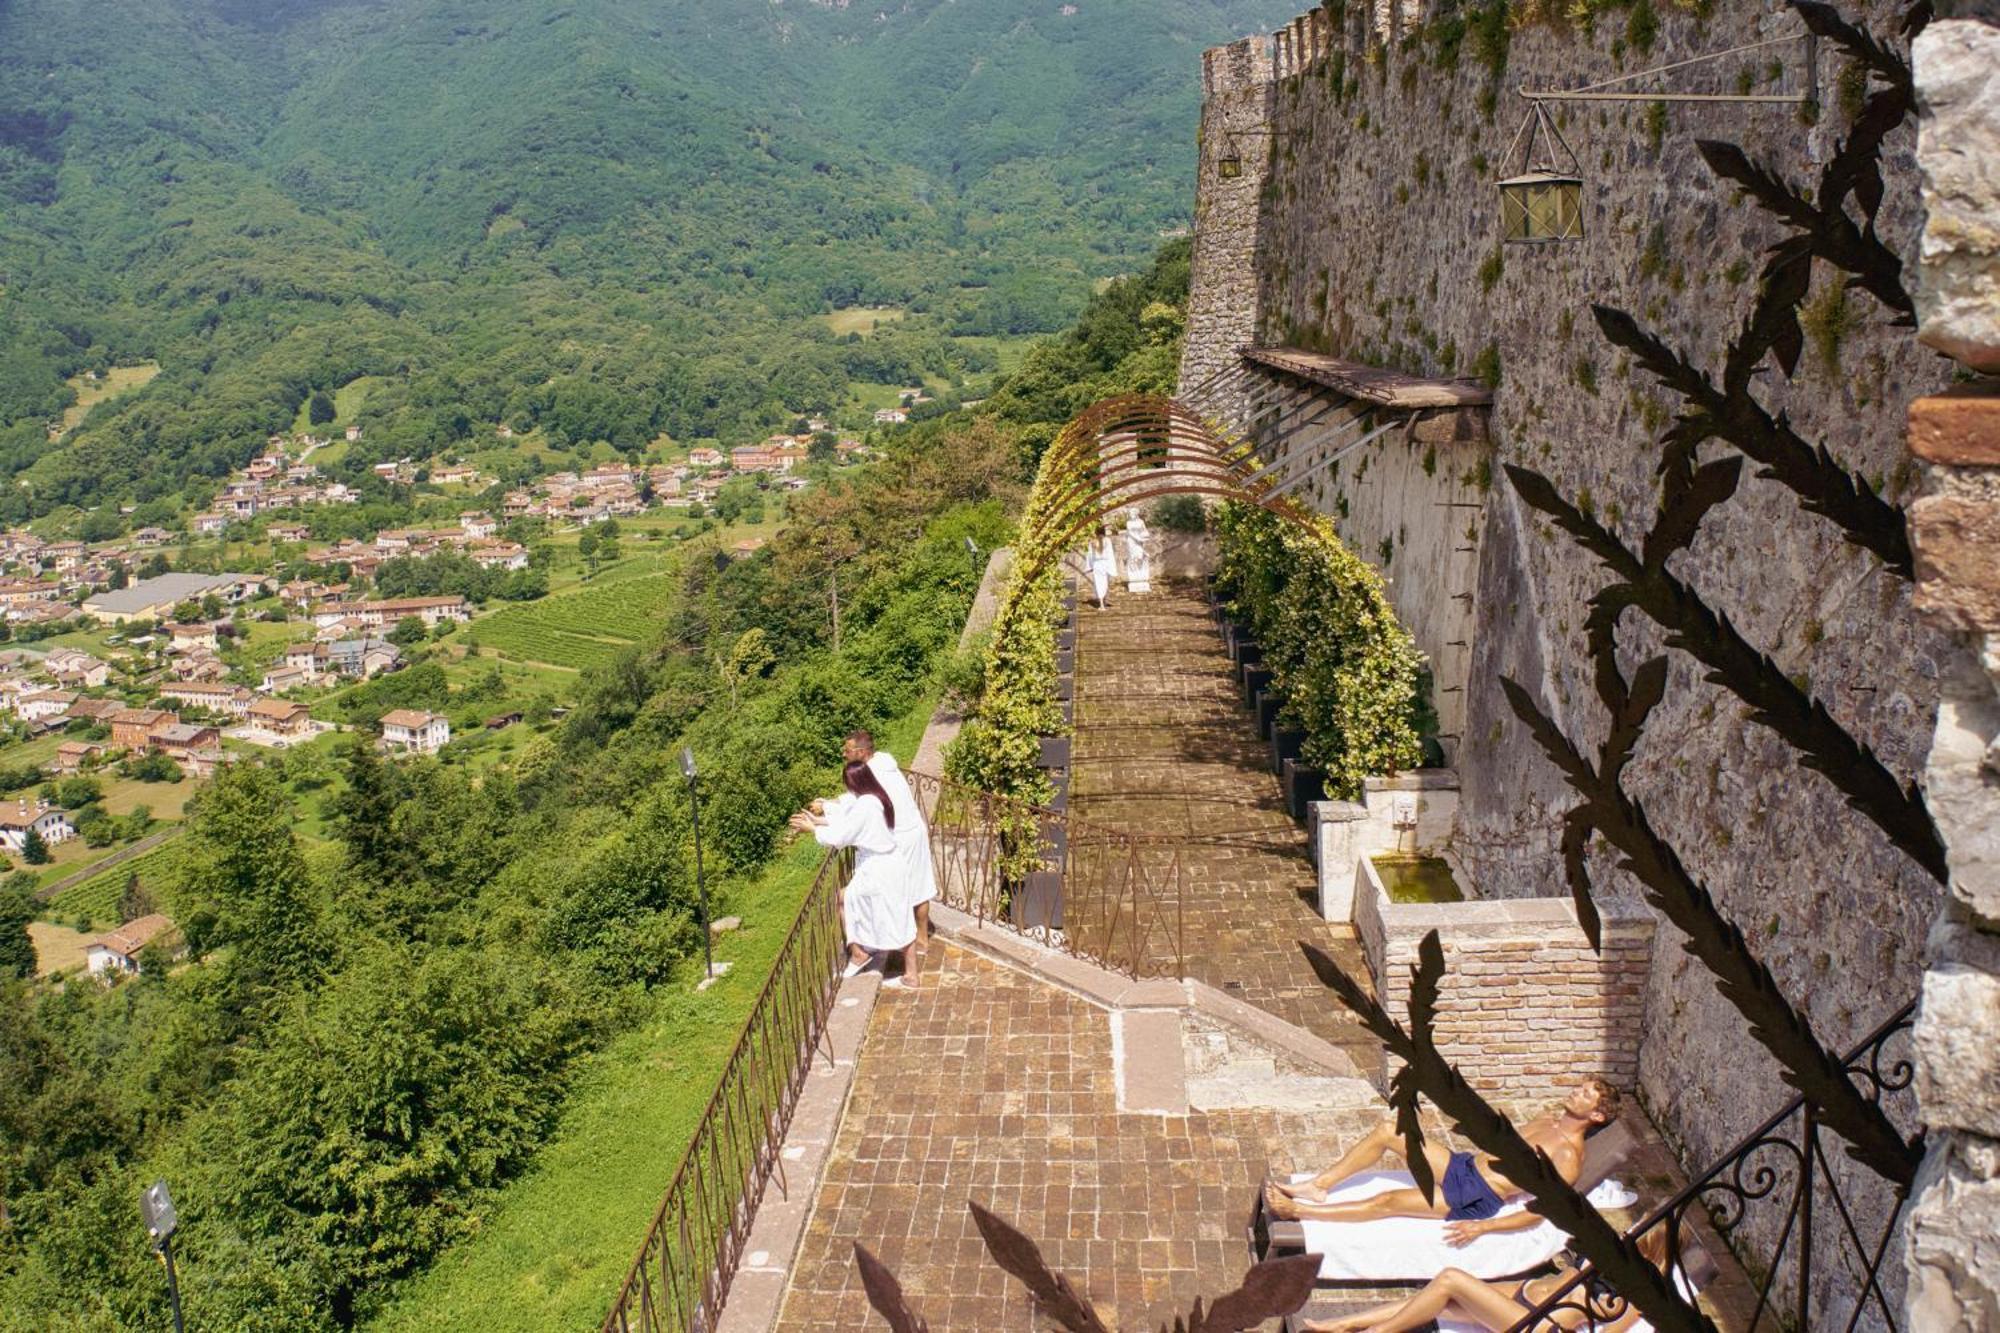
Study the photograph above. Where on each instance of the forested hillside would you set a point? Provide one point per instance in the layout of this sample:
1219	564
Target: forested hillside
613	219
397	969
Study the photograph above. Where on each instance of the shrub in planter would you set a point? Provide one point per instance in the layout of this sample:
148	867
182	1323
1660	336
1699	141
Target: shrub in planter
1344	666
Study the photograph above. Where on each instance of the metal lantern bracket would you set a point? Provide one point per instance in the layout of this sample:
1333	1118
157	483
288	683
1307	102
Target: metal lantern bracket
1594	92
1540	126
1229	162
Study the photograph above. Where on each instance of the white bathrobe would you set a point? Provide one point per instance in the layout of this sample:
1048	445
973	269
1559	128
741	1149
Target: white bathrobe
876	905
1103	566
913	836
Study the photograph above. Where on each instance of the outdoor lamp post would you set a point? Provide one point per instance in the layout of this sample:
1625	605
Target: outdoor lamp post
156	1206
700	882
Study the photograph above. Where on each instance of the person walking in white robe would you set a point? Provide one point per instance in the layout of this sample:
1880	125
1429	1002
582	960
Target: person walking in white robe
1101	559
875	906
913	835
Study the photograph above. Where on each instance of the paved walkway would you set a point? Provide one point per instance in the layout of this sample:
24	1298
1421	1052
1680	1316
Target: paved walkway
991	1085
1163	748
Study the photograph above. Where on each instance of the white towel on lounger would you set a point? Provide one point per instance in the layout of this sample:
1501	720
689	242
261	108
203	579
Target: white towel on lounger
1448	1325
1413	1249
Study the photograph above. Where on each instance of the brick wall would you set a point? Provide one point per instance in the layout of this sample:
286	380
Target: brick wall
1526	1005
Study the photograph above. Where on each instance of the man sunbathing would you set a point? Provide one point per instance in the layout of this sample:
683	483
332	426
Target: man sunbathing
1471	1191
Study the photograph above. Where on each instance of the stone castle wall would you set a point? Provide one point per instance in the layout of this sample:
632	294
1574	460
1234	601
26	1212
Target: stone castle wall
1376	239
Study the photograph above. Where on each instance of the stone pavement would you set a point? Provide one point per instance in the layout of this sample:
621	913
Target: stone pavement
991	1085
1163	749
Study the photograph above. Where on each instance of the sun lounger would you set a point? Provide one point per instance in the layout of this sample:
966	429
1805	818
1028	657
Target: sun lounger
1398	1251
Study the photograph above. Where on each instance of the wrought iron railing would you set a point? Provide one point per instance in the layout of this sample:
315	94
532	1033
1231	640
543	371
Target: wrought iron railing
683	1271
1103	895
1783	1164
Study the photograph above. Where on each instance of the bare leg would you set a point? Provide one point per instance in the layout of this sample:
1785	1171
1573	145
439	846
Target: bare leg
1389	1203
1384	1138
1487	1303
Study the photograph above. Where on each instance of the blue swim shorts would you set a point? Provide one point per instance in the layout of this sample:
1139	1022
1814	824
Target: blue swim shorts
1467	1196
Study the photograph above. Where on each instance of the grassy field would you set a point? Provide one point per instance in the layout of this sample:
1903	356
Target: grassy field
348	400
109	384
57	948
1008	351
861	319
553	1247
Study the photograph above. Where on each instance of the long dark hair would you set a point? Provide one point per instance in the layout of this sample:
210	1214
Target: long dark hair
861	780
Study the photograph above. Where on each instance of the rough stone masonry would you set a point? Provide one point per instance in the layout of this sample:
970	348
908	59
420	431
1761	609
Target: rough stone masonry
1952	1234
1364	224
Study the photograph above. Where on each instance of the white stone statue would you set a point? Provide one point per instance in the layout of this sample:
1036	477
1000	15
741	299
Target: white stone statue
1138	562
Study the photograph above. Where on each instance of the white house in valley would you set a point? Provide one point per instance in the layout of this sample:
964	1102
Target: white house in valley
117	951
415	732
49	821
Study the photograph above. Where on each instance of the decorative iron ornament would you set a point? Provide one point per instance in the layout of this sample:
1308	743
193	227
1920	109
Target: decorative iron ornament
1821	229
1607	809
1425	1072
1781	1161
1270	1290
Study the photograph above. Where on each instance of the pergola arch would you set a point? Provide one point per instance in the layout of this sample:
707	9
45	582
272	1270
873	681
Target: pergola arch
1138	447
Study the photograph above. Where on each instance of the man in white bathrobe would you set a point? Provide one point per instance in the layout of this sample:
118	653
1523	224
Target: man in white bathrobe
913	836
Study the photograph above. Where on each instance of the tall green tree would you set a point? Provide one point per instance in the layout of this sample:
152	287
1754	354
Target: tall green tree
244	883
17	950
320	409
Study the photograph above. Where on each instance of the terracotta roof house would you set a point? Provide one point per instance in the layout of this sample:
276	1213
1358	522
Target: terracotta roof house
410	730
118	950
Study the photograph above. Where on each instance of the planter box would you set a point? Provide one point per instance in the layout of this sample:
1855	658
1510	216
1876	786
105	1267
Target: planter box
1053	844
1285	744
1065	688
1069	712
1038	902
1069	607
1055	752
1266	705
1060	801
1255	681
1303	786
1065	664
1066	641
1249	654
1234	636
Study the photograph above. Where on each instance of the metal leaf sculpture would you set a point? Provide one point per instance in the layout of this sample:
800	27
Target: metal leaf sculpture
1614	1257
1692	626
1270	1290
1022	1259
885	1293
1820	228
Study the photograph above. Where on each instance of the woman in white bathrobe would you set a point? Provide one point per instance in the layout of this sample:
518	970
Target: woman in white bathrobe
1101	559
875	906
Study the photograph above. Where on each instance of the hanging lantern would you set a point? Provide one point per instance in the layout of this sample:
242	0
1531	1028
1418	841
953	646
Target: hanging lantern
1229	166
1543	202
1541	206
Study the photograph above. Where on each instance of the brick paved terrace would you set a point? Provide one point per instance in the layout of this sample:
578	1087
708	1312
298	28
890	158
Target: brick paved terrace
991	1085
1164	749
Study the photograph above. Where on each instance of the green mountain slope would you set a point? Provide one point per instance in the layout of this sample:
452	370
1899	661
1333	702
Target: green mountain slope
610	218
